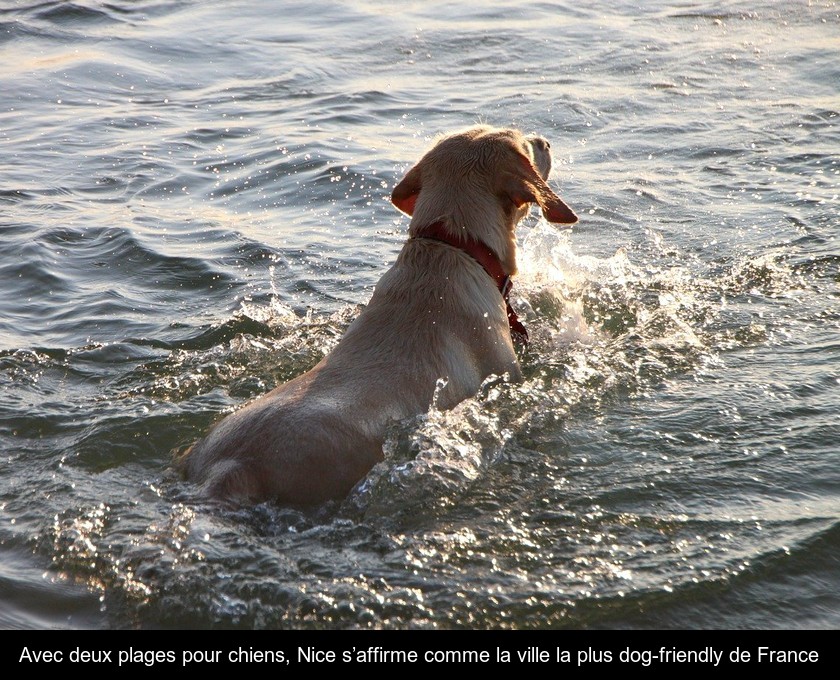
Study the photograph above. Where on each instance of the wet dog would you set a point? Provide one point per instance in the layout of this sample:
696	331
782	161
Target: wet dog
440	312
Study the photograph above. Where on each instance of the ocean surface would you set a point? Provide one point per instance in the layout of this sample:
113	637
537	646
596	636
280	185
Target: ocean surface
194	206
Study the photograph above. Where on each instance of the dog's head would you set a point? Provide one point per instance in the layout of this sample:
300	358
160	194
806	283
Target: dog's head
482	181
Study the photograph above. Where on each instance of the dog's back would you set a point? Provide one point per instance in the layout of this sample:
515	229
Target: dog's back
434	314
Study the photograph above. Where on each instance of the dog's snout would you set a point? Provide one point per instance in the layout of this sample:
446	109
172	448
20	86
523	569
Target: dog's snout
541	143
541	153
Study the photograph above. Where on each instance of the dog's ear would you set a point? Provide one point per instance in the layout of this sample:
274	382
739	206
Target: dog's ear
523	185
405	193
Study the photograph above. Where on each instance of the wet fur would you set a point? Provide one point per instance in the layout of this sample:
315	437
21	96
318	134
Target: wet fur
435	314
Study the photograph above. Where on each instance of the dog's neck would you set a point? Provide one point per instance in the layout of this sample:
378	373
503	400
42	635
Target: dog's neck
480	219
488	260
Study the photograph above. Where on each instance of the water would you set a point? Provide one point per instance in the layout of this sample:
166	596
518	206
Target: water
195	205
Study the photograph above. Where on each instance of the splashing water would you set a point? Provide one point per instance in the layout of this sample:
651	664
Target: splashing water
601	329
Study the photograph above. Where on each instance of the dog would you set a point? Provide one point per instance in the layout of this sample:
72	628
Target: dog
440	312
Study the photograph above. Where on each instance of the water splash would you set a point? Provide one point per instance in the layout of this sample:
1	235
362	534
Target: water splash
602	329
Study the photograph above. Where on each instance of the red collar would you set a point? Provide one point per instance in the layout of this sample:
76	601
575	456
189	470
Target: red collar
489	262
